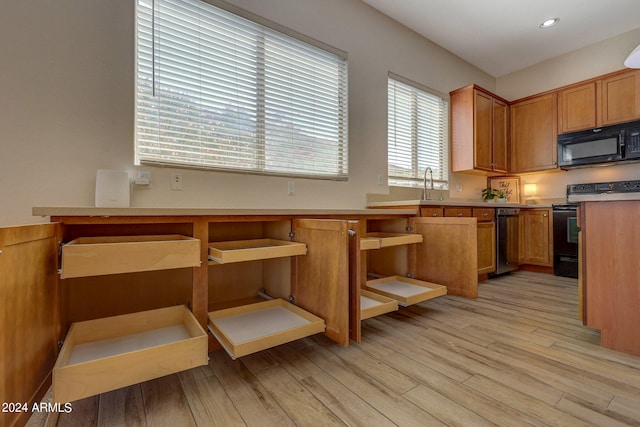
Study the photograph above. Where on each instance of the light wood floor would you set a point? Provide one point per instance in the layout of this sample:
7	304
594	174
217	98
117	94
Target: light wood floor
515	356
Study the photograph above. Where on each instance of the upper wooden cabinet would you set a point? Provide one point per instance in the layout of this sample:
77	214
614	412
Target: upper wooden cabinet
620	95
577	107
478	130
534	134
600	102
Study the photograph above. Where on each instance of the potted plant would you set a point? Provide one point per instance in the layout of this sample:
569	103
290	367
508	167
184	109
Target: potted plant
501	198
489	194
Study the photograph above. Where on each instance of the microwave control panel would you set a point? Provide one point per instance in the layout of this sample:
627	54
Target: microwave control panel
604	187
632	148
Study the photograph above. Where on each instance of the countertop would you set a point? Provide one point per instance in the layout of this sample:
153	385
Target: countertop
134	211
456	202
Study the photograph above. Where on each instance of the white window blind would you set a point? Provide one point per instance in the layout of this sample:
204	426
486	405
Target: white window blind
417	135
216	90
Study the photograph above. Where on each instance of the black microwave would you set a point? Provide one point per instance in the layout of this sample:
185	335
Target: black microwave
603	145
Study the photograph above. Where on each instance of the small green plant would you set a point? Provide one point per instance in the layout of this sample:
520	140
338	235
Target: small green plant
501	195
489	193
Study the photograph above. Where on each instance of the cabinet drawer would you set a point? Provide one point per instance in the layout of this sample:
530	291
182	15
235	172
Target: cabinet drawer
106	354
96	256
484	214
392	239
404	290
432	212
458	212
250	250
373	304
250	328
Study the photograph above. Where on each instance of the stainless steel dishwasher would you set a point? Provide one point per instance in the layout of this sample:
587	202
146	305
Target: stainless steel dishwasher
507	232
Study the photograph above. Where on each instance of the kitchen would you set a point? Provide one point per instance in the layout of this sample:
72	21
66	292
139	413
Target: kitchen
81	43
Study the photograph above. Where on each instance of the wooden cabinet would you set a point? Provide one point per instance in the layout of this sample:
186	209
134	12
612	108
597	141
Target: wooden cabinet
479	121
577	108
610	240
609	100
387	271
486	239
457	212
104	354
536	237
534	134
620	94
265	290
432	212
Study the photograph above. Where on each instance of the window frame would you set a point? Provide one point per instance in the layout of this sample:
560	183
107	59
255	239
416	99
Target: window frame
417	174
336	168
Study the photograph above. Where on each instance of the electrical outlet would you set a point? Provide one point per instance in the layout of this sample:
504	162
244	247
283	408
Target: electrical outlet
291	188
176	181
380	179
458	188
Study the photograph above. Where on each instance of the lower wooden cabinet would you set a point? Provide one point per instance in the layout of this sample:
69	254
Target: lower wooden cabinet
536	237
486	247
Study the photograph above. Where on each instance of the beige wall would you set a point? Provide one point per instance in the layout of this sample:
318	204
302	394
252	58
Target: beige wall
67	81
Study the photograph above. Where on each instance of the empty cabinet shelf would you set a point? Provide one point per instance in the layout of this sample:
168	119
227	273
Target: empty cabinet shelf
96	256
250	250
255	327
372	304
106	354
395	239
406	291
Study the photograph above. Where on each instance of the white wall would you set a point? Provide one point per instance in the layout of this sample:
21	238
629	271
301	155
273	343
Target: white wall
66	106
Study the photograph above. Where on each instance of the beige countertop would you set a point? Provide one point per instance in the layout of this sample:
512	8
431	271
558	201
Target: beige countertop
107	212
456	202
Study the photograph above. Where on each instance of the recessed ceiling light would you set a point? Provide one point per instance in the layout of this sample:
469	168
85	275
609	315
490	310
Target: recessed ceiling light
549	23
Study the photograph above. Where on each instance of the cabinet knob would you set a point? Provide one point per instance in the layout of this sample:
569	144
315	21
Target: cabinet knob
485	214
545	215
434	214
459	213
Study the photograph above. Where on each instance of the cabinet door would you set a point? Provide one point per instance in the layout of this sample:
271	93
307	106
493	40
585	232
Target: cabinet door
535	237
534	134
621	98
30	320
447	255
486	247
320	282
482	124
500	161
577	108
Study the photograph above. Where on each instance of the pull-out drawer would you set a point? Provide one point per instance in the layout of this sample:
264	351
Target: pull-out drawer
106	354
373	304
254	327
405	290
457	212
484	214
96	256
388	239
250	250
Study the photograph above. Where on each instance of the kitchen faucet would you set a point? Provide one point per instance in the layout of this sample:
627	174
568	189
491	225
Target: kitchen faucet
425	194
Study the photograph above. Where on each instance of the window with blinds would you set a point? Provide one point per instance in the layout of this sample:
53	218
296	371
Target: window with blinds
216	90
417	134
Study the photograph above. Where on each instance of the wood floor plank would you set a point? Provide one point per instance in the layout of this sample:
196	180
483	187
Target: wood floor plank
84	413
546	414
253	401
301	405
347	406
209	403
165	403
391	405
122	407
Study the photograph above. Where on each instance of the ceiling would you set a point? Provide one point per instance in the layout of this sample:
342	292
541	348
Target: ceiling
500	36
